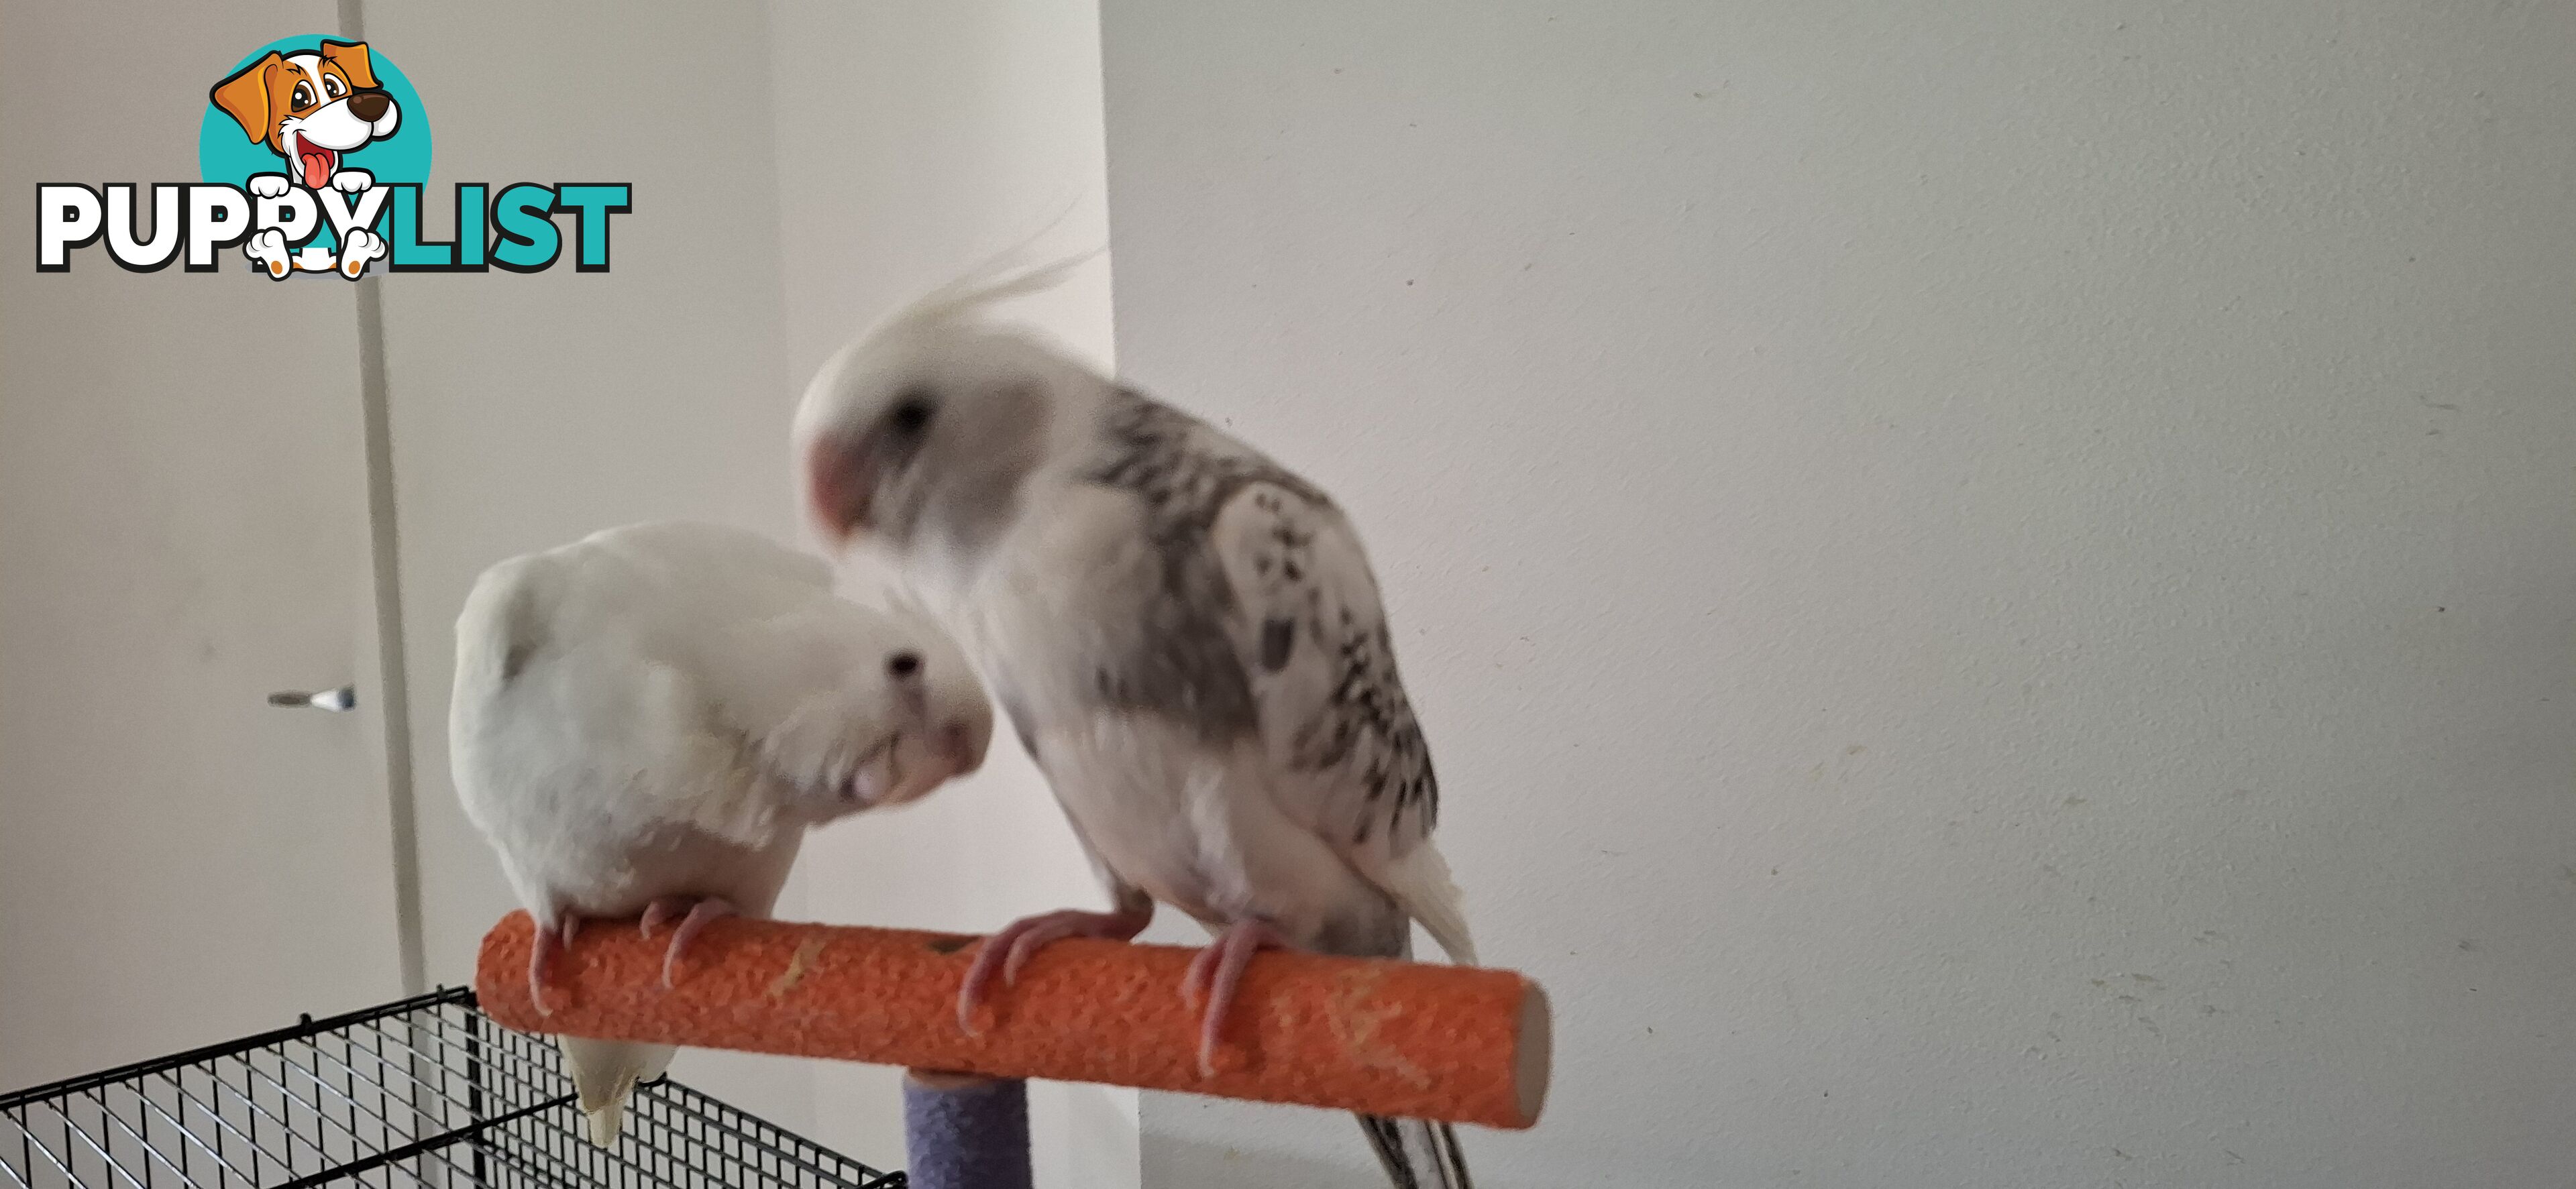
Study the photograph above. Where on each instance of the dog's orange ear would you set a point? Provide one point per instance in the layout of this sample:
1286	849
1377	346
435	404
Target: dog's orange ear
351	57
245	95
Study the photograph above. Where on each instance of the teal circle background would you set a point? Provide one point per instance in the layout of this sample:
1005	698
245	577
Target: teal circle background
227	155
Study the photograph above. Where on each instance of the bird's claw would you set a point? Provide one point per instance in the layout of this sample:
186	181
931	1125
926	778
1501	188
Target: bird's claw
538	948
694	913
541	954
662	910
1213	976
1009	949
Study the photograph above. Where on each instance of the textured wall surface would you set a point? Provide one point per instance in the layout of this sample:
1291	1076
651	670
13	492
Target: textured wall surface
1990	582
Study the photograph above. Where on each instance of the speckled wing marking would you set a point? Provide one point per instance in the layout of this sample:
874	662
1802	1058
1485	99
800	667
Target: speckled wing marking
1179	656
1323	670
1267	619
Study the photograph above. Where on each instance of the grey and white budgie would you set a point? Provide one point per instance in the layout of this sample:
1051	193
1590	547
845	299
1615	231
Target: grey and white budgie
648	720
1186	636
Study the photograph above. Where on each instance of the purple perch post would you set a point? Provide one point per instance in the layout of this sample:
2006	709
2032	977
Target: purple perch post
965	1132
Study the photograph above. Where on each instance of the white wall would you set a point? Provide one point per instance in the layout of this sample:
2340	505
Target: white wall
820	164
1990	582
183	529
529	410
913	141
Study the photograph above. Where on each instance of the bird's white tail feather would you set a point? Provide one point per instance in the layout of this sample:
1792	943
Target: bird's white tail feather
1420	883
605	1074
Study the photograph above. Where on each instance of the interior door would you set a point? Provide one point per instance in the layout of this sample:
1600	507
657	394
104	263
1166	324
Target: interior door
183	531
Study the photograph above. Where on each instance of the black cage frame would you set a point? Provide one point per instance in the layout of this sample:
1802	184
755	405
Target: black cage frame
426	1091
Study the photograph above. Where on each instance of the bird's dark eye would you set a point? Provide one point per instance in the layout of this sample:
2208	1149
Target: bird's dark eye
904	664
911	414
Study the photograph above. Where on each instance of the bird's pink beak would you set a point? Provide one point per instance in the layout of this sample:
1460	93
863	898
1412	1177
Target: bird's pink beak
840	482
947	754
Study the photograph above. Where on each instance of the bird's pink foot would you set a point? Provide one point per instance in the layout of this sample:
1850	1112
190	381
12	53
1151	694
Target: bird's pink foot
662	911
1005	952
1214	975
541	956
694	915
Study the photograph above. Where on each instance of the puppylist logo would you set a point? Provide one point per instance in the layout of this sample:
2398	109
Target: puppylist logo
314	154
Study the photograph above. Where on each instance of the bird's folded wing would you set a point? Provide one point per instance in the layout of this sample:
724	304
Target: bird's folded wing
1348	761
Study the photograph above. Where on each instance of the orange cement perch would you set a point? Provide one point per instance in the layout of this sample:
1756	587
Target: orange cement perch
1453	1043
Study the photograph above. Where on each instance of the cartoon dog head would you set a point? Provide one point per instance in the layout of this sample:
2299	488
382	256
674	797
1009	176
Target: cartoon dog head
310	108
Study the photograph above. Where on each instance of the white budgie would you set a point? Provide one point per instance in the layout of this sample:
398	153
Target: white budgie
646	721
1185	635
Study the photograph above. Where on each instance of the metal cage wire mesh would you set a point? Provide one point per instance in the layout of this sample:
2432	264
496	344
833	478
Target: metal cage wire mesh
423	1092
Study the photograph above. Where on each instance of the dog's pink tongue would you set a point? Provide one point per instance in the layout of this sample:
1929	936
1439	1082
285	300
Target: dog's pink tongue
317	170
